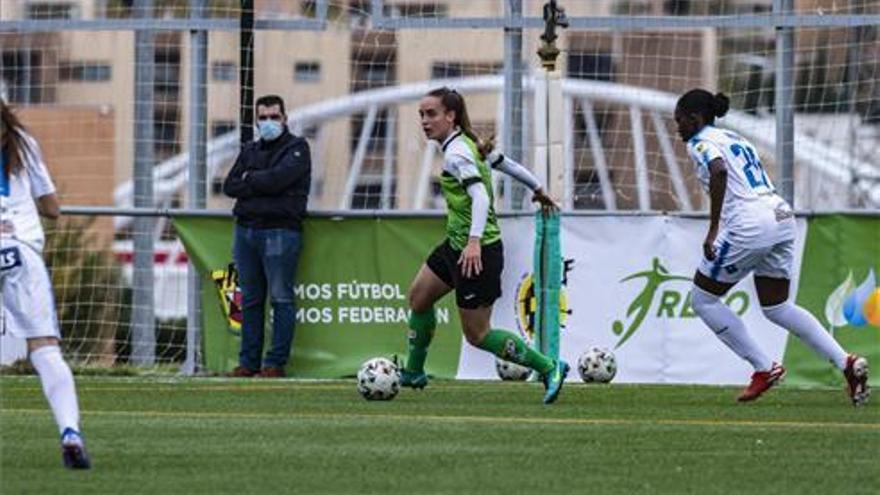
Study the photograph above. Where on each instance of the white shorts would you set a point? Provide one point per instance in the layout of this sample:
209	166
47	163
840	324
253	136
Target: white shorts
735	260
28	306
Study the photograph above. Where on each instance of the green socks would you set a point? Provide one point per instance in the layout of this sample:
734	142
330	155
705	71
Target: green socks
511	347
421	331
506	345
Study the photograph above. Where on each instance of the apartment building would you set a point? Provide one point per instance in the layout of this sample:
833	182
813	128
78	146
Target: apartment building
95	70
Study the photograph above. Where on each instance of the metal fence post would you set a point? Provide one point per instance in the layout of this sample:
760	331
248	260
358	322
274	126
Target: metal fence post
512	144
784	104
143	320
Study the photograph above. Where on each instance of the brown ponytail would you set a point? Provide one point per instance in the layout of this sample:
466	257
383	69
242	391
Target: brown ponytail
453	101
13	143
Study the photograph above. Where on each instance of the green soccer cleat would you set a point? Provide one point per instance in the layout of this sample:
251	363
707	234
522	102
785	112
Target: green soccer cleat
413	379
553	381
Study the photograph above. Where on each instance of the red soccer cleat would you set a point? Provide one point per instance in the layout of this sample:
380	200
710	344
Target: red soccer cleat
856	374
761	382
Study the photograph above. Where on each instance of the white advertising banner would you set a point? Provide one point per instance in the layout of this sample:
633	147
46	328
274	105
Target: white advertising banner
626	288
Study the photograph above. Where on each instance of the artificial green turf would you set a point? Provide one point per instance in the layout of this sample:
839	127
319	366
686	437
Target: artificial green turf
279	436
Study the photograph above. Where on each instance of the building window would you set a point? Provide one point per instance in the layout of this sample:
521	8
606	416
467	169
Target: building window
167	71
307	71
223	71
84	72
51	10
445	70
22	76
310	132
367	197
677	7
588	190
377	137
594	66
417	10
166	133
221	127
369	75
309	8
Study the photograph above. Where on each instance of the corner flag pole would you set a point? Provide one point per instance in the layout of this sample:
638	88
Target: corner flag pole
547	280
549	153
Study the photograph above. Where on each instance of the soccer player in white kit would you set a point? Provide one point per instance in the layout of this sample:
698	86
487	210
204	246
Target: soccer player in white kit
751	229
28	309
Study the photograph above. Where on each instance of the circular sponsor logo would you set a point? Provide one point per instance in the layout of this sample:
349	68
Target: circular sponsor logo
527	307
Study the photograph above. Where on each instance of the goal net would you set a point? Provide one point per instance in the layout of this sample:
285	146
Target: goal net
352	72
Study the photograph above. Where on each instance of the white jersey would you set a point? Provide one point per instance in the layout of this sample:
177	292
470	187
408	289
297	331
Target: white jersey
751	206
18	211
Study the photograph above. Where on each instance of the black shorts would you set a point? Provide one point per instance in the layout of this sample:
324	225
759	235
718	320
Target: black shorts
474	292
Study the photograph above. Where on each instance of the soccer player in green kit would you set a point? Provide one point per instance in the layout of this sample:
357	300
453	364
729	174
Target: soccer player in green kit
471	257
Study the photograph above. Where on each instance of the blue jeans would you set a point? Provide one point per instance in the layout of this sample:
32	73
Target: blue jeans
266	260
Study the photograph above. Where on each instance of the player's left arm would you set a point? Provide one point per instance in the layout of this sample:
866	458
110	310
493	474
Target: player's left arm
717	190
471	256
504	164
48	206
465	170
42	187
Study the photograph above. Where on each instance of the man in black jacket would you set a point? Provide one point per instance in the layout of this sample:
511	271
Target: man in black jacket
270	181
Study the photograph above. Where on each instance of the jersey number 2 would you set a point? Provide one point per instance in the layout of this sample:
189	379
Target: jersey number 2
753	169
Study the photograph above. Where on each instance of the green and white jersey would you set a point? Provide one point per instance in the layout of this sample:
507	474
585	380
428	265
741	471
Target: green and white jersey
463	167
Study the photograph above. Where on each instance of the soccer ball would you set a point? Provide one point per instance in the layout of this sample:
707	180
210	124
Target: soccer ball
378	379
511	371
597	365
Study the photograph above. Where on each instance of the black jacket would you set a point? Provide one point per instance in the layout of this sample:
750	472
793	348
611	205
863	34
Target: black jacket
270	181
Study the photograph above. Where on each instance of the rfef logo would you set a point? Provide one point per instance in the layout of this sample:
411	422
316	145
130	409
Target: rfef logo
674	301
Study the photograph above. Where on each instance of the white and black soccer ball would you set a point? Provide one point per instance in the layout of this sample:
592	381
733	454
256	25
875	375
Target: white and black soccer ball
597	365
511	371
378	379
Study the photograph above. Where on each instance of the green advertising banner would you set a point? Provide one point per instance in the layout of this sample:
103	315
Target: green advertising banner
350	292
838	284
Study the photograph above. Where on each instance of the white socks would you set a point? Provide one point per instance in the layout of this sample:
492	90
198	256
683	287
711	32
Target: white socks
58	385
729	328
807	328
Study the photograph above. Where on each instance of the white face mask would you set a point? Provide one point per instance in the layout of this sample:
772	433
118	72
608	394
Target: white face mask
270	129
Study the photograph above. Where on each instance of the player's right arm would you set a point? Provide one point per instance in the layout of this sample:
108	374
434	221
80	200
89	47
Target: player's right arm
717	190
710	161
504	164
